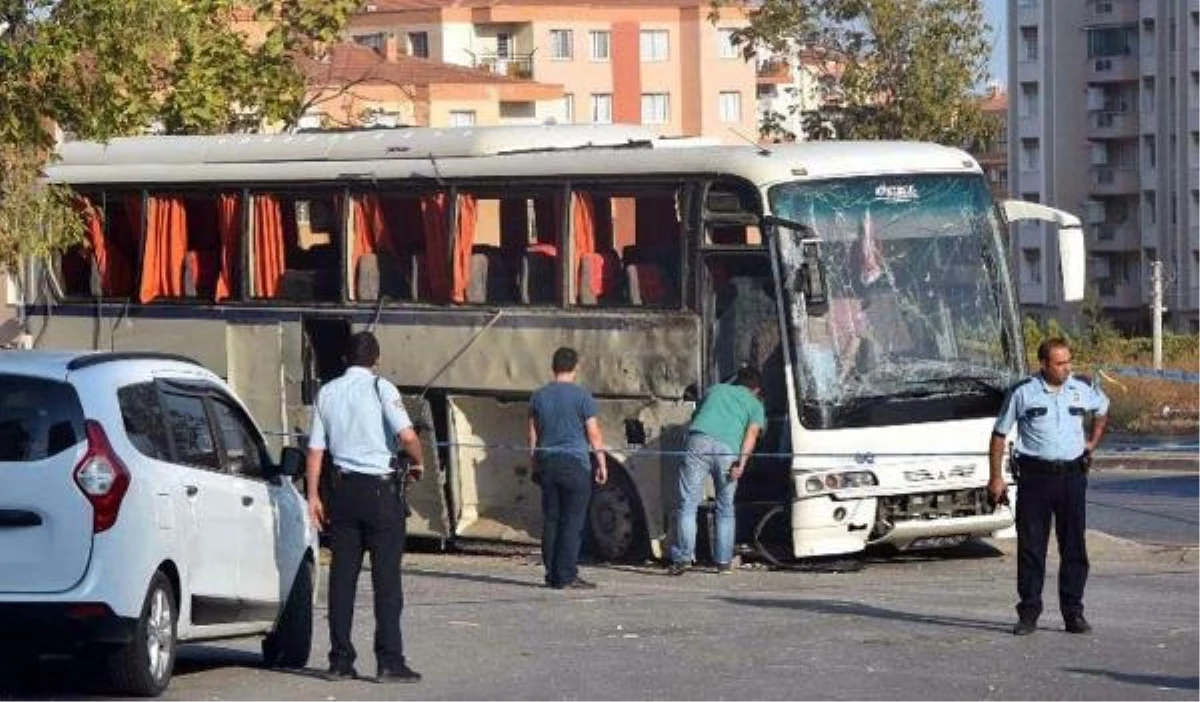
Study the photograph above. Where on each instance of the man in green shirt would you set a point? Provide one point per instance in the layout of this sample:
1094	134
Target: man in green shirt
720	440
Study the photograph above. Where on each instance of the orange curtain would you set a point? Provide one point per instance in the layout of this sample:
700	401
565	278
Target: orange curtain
583	224
229	226
166	246
111	263
437	245
371	230
468	216
268	245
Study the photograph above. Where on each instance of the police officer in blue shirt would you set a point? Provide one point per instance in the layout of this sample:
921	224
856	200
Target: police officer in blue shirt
359	418
1051	460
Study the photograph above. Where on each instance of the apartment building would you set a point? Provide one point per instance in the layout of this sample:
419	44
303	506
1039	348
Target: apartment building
790	89
993	155
1103	120
653	62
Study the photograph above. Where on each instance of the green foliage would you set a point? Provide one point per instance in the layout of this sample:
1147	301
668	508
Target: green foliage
105	68
894	69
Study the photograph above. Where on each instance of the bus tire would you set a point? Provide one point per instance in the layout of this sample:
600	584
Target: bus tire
616	524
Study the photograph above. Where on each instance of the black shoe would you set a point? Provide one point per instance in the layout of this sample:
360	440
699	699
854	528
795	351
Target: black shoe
1024	627
403	674
337	673
1076	624
677	569
579	584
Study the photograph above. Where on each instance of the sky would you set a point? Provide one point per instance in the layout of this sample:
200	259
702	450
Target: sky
994	15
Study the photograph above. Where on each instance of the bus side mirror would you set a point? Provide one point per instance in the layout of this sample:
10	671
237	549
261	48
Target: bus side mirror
1071	254
291	462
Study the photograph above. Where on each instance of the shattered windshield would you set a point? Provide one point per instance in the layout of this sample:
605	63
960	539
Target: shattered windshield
916	306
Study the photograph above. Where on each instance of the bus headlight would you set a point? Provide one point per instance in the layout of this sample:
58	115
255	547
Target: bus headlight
828	482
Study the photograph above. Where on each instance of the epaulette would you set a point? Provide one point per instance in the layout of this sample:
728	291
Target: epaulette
1013	388
1085	379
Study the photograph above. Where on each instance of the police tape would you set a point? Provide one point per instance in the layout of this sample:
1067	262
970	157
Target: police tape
1177	376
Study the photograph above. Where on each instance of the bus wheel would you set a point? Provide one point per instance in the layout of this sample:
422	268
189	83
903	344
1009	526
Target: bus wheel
616	529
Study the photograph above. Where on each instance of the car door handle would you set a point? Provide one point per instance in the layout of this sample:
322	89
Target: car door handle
191	490
247	500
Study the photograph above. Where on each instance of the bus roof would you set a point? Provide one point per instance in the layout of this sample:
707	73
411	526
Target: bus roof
480	152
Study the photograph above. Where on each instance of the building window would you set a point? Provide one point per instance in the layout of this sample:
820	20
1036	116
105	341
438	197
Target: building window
1150	151
462	118
503	45
1029	43
656	108
561	41
1031	155
418	44
726	49
1031	266
374	41
731	106
600	45
654	45
1149	98
1029	99
569	108
602	108
1150	206
1112	41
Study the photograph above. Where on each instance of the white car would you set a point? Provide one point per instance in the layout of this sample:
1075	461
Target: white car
139	507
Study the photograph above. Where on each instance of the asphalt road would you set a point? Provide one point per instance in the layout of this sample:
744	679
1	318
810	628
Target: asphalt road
1147	506
927	627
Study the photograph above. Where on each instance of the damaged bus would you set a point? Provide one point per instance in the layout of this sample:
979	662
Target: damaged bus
867	280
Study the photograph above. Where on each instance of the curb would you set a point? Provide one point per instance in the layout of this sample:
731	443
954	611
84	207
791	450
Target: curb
1147	461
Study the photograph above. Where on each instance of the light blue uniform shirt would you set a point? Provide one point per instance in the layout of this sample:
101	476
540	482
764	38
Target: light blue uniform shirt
357	425
1050	424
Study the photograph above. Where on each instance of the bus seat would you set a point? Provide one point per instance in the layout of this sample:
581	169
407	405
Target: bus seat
490	280
649	284
539	267
366	277
416	269
200	272
599	277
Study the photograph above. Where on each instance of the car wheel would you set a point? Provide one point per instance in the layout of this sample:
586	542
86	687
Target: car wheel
143	666
291	642
615	527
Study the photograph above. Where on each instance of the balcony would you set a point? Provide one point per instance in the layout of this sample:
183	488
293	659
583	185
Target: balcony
1114	294
1111	69
774	70
1112	125
1102	12
1108	180
519	66
1113	236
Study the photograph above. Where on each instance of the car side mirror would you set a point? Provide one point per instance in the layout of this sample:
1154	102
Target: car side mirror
291	462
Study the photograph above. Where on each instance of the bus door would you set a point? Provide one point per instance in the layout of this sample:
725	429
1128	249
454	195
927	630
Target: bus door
741	327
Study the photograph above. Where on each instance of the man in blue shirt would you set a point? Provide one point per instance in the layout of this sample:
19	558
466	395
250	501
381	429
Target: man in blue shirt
359	418
564	435
1050	459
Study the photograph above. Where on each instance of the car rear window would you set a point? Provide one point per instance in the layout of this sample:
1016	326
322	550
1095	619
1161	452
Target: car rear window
39	418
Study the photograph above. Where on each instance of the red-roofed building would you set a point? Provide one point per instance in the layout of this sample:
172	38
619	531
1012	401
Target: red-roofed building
661	63
357	86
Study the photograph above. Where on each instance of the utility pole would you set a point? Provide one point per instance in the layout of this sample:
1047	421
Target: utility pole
1156	310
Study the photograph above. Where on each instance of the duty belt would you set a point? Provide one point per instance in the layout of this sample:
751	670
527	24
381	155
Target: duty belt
359	475
1041	465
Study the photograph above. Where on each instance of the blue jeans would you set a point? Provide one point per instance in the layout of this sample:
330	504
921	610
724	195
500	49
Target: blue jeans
704	456
566	490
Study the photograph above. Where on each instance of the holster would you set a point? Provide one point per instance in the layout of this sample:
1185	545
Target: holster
400	464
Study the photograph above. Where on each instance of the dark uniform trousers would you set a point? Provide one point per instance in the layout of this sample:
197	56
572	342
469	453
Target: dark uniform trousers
1059	491
367	515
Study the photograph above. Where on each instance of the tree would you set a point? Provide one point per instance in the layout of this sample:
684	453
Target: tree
98	69
887	69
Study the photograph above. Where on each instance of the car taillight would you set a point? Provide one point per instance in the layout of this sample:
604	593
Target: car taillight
102	478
